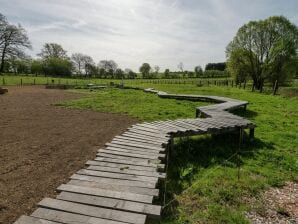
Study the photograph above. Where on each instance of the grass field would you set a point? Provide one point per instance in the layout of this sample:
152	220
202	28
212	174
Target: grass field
214	193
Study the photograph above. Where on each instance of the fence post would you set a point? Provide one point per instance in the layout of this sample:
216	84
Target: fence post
275	87
21	81
244	85
34	81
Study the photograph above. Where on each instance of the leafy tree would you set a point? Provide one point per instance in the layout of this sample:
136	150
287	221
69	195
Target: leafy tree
265	48
145	70
52	50
221	66
13	41
37	67
119	74
167	73
57	67
130	74
198	71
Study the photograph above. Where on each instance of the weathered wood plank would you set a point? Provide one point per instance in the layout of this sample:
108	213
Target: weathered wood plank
138	141
32	220
135	148
124	161
123	205
112	181
142	136
106	193
136	145
93	211
143	139
127	171
152	180
121	166
136	160
69	218
159	136
115	187
132	154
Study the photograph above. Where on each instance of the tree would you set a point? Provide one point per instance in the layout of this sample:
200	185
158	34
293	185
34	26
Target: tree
37	67
130	74
221	66
167	73
78	60
119	74
53	50
13	41
180	66
109	66
198	71
57	67
145	70
265	47
156	69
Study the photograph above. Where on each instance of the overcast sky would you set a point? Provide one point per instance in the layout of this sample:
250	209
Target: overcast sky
160	32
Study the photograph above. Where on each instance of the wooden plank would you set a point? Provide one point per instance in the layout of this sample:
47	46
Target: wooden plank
130	154
127	171
112	181
116	187
141	144
134	148
136	145
106	193
142	136
121	166
123	161
145	140
129	206
32	220
93	211
141	141
69	218
152	180
140	160
147	134
148	129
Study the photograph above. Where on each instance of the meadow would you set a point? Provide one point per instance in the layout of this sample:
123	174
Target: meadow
203	183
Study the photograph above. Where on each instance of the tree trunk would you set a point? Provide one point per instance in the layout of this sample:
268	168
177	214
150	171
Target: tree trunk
275	87
2	58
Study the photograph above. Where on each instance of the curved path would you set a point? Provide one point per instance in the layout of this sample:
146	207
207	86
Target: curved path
121	184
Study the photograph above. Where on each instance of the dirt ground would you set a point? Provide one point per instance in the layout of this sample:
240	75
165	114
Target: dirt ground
41	145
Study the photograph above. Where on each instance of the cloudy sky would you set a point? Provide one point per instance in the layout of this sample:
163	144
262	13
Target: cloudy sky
161	32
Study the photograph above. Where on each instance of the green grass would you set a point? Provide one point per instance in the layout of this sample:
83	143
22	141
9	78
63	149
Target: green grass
137	104
205	185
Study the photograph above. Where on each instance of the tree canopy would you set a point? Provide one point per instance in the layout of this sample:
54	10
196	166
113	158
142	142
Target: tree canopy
13	41
263	50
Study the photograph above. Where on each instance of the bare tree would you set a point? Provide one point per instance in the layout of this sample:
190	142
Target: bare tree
180	66
13	41
156	68
53	50
82	62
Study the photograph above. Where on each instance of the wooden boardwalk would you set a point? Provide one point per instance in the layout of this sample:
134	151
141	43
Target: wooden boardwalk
121	184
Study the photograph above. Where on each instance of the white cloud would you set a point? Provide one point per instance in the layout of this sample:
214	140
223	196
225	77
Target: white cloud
162	32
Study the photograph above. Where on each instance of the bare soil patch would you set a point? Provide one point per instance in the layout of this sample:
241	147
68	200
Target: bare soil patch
278	205
42	145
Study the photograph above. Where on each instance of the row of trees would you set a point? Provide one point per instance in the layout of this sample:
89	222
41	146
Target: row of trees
264	50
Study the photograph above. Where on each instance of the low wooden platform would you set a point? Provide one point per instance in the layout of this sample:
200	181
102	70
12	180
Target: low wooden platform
121	184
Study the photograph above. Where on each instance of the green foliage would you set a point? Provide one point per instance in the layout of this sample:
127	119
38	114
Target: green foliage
145	70
263	50
221	66
215	74
57	67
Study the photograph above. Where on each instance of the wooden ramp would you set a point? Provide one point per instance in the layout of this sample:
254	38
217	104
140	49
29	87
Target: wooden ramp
121	184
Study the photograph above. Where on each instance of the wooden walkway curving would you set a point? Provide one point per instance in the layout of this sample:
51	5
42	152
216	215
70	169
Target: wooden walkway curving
121	184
